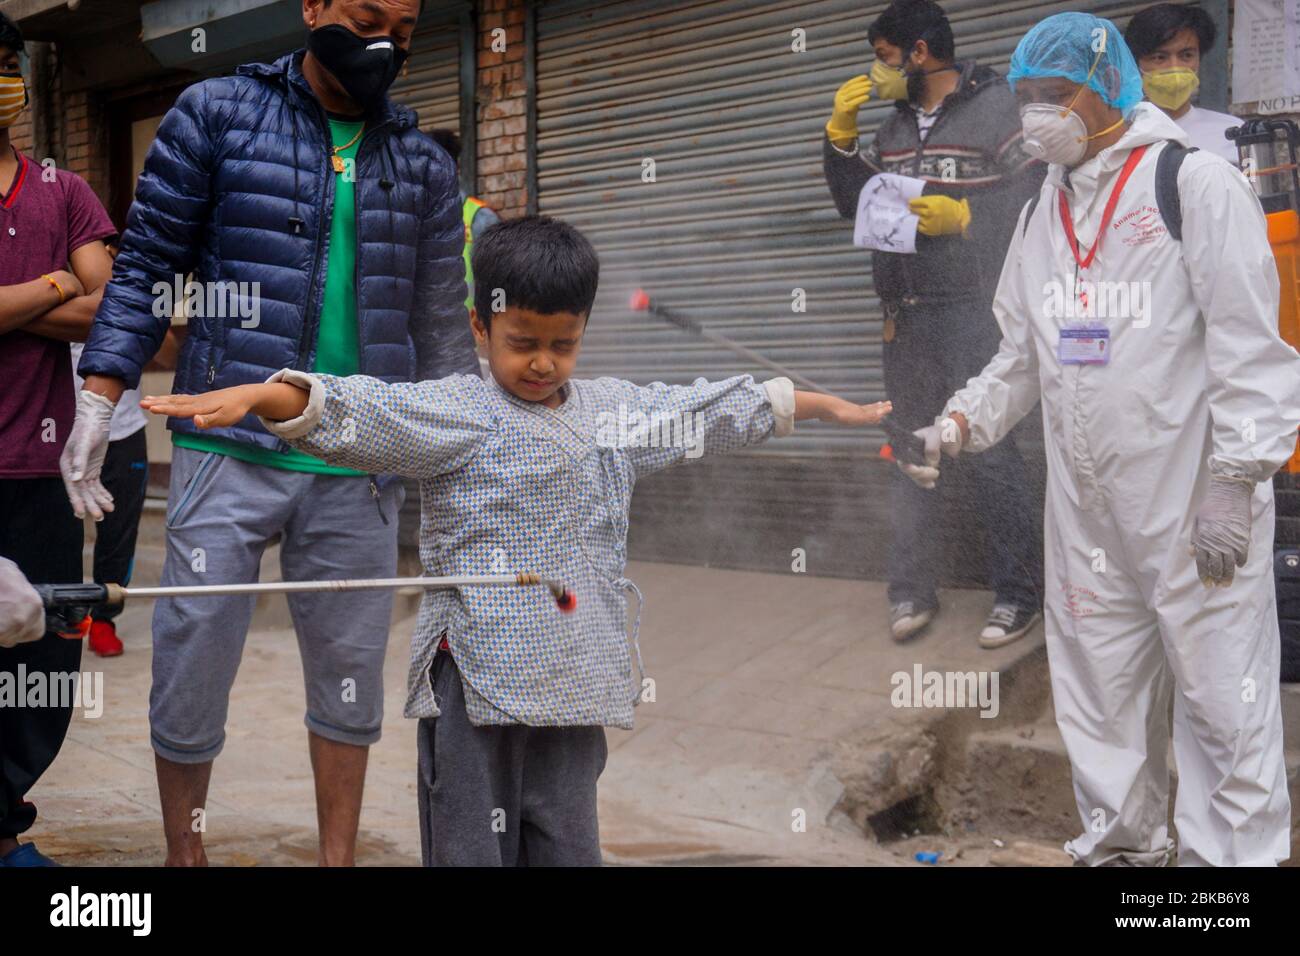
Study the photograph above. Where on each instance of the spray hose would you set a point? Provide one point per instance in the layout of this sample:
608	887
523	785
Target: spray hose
902	446
68	606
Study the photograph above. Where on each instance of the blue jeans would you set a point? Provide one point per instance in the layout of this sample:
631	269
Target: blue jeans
935	349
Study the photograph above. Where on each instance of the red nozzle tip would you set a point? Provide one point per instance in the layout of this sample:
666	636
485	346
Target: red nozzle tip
83	628
567	602
887	452
640	301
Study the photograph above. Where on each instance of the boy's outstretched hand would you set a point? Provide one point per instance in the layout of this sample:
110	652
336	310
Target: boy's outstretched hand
828	408
227	406
846	413
218	409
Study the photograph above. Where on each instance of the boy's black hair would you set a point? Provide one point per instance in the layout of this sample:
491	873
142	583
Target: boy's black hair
1157	25
539	263
11	37
906	21
328	3
448	140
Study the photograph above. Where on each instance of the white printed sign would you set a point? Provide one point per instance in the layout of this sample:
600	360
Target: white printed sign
1266	54
884	222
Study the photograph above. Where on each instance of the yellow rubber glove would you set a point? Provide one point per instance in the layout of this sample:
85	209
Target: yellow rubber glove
843	125
941	215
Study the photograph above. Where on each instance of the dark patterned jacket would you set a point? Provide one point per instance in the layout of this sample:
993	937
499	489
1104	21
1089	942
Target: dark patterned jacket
972	151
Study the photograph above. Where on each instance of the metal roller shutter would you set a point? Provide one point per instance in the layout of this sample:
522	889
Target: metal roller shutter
738	219
433	86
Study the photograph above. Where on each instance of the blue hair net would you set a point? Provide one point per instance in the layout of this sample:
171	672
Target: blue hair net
1067	45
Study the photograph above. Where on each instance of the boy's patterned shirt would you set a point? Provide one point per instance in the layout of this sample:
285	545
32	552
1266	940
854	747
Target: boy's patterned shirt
508	485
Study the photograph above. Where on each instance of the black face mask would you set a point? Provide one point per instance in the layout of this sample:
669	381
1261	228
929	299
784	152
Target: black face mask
364	66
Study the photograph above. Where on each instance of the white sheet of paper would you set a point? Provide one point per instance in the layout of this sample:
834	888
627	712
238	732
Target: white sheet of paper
884	221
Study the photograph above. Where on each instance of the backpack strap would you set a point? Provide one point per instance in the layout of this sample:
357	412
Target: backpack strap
1167	199
1029	212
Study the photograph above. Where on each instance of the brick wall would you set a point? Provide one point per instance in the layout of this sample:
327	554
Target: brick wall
75	135
85	141
20	134
23	133
79	139
502	109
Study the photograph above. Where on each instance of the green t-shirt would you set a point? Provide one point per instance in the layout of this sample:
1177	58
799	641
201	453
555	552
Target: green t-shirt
338	341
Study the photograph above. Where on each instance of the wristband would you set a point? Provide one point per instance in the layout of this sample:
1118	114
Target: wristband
850	150
63	296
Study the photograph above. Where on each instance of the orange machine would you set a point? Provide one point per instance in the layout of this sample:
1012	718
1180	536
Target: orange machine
1268	149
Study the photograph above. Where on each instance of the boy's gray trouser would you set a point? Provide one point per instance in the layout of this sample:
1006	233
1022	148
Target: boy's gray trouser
221	514
505	796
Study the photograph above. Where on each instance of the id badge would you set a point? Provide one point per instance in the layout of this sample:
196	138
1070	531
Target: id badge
1084	345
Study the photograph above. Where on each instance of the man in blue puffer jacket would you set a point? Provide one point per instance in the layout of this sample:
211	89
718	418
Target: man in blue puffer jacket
321	231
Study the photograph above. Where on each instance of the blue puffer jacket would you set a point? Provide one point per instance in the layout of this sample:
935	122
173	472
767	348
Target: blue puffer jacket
238	187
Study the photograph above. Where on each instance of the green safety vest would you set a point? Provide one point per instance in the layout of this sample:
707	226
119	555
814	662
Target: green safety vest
469	211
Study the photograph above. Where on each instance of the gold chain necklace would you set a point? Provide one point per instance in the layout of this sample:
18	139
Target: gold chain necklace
339	163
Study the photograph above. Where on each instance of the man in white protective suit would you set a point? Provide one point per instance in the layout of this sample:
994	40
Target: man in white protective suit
1144	317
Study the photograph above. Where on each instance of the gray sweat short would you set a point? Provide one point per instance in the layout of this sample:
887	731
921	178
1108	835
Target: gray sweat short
504	796
221	514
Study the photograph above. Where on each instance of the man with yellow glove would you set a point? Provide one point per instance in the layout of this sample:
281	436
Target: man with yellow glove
956	126
941	215
843	125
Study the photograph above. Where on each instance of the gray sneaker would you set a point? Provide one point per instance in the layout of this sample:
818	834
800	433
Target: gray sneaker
1007	623
906	621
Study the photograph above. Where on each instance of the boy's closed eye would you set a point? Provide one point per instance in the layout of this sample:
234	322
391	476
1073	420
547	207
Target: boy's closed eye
521	344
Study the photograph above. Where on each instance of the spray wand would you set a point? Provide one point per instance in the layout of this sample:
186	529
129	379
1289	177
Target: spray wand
903	445
68	606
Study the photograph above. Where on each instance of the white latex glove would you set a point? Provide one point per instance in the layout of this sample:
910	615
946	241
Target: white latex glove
1221	531
83	456
22	618
941	439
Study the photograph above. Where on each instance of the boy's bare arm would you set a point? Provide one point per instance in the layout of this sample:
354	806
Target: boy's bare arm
277	401
21	304
70	322
828	408
413	429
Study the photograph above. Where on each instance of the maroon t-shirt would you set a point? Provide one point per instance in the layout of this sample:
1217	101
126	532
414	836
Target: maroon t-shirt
41	224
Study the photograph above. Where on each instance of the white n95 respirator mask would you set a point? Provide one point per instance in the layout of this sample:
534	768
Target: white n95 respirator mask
1057	134
1053	134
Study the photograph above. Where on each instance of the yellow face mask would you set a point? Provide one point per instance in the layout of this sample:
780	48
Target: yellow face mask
890	81
1170	89
13	97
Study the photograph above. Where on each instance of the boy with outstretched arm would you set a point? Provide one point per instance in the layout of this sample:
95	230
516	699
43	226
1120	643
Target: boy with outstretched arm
526	471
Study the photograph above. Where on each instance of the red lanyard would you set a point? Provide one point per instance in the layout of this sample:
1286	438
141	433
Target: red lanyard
1134	158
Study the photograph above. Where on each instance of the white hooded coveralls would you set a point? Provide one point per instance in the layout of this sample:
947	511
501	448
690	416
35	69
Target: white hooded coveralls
1199	383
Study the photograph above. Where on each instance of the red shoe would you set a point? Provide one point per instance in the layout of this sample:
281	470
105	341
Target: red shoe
104	640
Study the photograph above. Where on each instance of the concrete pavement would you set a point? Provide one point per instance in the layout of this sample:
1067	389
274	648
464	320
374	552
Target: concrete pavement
771	737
